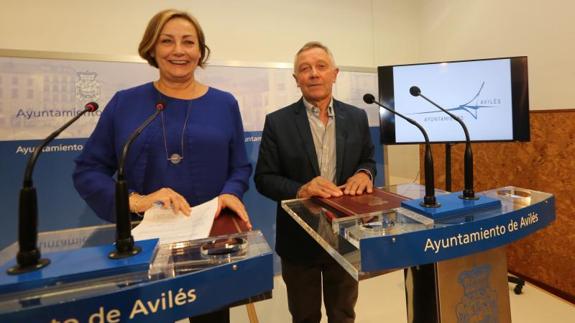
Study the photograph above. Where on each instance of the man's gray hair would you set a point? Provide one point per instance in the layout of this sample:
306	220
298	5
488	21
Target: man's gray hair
312	45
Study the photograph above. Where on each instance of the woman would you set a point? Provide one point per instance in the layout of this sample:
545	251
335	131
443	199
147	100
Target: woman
193	152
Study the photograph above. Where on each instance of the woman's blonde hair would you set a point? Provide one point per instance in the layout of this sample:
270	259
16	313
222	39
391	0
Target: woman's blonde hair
158	21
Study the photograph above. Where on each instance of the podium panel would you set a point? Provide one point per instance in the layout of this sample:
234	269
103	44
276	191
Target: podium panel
474	288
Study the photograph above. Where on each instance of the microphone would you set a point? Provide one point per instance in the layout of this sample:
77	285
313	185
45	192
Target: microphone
429	200
29	256
468	192
124	240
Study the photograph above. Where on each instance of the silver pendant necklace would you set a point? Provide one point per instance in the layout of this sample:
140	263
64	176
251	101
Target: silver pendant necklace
176	158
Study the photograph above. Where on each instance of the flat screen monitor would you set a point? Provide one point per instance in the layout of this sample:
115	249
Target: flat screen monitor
491	96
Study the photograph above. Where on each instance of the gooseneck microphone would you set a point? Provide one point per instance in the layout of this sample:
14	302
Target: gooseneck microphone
29	256
429	199
124	240
468	192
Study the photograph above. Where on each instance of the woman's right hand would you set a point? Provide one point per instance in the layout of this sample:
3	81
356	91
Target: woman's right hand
168	197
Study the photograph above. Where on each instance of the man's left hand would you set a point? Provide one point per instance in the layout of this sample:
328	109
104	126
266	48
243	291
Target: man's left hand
358	184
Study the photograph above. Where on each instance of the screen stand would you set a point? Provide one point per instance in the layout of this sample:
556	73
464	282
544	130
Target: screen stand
448	166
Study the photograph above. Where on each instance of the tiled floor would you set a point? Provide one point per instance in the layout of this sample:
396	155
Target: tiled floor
382	299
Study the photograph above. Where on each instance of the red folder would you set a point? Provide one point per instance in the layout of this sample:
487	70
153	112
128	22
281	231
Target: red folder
377	201
227	223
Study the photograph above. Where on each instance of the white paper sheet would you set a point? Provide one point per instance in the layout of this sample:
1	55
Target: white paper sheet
162	223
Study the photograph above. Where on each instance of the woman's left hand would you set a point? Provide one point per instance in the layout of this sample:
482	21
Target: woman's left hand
233	203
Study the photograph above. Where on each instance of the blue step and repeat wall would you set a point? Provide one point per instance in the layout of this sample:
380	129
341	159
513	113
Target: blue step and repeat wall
38	95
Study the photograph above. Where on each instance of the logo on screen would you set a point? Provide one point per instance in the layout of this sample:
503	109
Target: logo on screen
471	107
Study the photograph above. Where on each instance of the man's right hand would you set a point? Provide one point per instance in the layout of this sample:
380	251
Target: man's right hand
320	187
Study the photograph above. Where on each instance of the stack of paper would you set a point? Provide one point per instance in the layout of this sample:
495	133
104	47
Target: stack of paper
163	223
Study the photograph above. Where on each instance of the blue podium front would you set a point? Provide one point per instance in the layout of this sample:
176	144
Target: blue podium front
455	265
182	279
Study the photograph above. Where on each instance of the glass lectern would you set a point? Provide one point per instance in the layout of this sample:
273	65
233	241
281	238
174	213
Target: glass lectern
183	279
455	267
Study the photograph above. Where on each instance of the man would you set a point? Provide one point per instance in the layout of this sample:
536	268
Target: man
321	147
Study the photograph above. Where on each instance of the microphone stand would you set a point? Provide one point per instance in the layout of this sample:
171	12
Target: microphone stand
429	200
448	166
468	192
29	257
124	240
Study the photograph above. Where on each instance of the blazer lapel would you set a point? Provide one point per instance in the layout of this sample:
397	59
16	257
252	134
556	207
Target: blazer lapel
302	124
340	137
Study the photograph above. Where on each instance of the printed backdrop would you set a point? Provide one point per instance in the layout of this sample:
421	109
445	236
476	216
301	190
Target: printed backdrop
37	96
